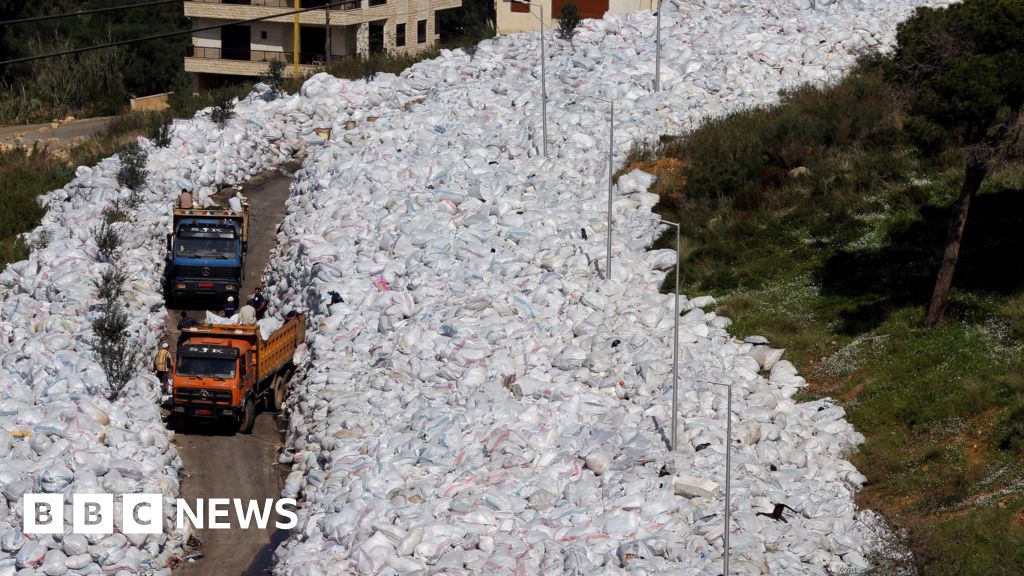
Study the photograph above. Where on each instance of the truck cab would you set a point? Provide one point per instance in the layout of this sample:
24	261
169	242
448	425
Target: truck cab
211	376
205	253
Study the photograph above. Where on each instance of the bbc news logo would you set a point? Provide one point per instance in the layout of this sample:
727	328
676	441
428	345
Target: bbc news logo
144	513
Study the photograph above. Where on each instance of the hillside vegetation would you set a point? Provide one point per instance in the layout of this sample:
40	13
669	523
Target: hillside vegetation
821	223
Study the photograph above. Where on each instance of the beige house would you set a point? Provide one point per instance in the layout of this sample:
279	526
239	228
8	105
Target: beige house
515	17
357	28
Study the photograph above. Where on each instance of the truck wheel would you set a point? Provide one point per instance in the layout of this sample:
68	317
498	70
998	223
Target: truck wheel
279	393
248	417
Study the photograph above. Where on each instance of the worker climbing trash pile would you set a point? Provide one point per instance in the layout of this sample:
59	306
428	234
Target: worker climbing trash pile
484	400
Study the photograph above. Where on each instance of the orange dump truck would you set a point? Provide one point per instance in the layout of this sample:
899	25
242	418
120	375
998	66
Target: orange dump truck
224	371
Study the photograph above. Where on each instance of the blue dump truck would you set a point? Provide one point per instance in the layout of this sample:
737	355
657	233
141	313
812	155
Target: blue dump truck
205	252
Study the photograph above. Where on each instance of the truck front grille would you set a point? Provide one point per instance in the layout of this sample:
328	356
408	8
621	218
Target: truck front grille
204	394
212	272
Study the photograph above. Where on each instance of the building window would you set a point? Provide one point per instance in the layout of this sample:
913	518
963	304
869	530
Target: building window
378	2
400	35
263	34
421	31
519	7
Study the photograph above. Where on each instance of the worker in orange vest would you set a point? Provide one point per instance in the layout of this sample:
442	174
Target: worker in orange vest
162	365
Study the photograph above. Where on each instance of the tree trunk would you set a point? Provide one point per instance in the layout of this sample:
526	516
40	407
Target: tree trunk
973	176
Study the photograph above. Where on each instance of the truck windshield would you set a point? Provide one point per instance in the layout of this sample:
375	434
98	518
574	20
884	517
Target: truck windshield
205	367
206	247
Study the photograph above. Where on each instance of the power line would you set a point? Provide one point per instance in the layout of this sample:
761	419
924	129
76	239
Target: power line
181	32
85	12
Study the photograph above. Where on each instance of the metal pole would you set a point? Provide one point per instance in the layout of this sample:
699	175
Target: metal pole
327	25
611	168
657	52
728	477
675	354
295	42
543	86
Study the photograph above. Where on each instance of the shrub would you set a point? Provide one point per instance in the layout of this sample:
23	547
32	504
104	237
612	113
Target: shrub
116	353
222	112
107	239
132	174
110	286
275	76
568	20
162	138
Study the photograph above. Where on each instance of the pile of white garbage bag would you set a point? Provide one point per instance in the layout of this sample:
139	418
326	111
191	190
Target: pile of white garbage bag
59	432
487	399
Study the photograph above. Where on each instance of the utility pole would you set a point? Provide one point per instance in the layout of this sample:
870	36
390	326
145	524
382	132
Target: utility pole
543	74
675	347
657	53
611	171
543	86
327	25
295	43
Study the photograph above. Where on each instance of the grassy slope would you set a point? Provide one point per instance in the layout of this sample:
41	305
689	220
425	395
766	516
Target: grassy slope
837	267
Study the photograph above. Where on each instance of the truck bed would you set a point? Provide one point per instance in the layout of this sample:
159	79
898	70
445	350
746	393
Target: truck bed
271	354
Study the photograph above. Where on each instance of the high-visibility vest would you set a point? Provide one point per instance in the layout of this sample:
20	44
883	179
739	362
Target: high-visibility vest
163	361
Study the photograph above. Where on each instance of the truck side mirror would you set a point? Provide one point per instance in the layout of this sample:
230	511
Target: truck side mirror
170	242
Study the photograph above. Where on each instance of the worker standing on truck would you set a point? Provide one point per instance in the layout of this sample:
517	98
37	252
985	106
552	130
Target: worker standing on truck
259	302
185	199
230	307
247	314
185	323
162	365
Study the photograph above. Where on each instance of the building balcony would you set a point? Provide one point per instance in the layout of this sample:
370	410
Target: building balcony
241	62
352	12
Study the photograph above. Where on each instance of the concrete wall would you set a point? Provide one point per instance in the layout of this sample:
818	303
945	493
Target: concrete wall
206	38
509	22
279	36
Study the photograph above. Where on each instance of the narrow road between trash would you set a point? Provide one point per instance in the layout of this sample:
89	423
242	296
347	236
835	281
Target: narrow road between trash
223	464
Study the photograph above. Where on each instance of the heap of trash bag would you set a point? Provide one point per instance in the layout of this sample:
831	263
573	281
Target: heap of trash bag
63	429
492	396
489	397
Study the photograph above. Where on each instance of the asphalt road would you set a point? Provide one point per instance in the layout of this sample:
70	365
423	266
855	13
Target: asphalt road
27	134
218	463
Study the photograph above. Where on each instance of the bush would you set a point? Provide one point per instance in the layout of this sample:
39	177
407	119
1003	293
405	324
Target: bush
222	112
107	239
275	76
359	68
568	20
110	286
162	138
116	353
132	174
748	155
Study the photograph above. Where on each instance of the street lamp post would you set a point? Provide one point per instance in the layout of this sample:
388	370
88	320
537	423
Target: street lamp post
611	173
675	347
611	168
657	51
543	75
728	474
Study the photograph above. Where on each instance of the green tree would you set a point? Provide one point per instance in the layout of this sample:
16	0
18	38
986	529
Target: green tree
962	70
568	20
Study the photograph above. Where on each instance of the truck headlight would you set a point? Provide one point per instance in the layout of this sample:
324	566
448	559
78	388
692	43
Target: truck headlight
230	287
180	286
